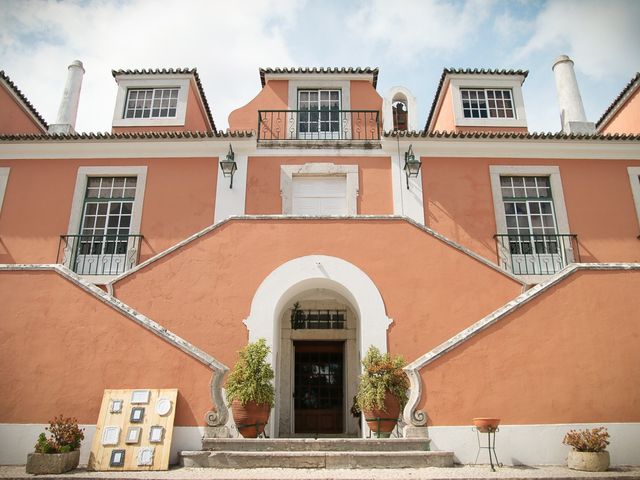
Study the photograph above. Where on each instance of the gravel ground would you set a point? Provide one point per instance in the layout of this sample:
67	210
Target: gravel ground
460	472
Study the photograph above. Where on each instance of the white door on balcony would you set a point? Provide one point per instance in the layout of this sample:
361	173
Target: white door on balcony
313	195
319	114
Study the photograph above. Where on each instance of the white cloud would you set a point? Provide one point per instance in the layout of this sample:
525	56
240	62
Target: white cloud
601	37
226	41
405	29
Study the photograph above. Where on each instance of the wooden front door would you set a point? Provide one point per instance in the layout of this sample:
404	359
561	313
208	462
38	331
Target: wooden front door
318	387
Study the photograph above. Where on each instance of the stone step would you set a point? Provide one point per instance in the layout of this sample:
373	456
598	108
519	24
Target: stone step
311	444
315	459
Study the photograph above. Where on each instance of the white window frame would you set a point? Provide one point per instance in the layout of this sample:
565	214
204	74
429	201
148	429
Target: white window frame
77	204
483	82
634	179
287	172
319	84
4	179
320	134
557	195
145	82
154	91
486	100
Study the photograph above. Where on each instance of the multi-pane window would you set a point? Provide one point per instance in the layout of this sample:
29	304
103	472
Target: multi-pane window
151	103
530	217
106	218
319	114
487	103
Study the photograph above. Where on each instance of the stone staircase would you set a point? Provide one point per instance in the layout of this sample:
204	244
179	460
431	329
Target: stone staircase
315	453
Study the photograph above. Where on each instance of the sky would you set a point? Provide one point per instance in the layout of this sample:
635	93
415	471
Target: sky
410	41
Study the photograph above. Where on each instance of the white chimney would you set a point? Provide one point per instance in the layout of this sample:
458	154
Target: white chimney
68	111
572	116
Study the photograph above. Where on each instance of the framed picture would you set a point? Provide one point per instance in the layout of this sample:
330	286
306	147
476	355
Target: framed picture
163	406
140	397
145	456
117	458
116	406
110	435
137	415
133	435
156	434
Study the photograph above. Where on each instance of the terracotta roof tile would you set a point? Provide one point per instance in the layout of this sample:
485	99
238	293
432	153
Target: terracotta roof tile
618	99
468	71
24	100
512	135
127	136
172	71
321	70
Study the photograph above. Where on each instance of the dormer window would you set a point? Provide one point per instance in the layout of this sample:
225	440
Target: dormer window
487	100
487	103
152	103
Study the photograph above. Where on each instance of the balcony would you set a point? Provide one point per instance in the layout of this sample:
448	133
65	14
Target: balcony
308	127
99	254
536	254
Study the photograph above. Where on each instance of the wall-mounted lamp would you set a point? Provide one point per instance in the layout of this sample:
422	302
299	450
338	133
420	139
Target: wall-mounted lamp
229	165
411	165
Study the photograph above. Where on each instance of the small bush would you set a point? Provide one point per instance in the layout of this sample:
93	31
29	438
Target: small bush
595	440
66	436
250	379
382	373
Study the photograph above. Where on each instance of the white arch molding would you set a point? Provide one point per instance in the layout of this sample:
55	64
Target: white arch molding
294	277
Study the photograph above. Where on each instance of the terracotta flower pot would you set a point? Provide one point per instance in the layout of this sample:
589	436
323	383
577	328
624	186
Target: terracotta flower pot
485	425
588	461
250	418
388	416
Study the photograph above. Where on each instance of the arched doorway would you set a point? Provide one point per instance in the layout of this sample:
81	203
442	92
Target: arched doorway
318	365
316	281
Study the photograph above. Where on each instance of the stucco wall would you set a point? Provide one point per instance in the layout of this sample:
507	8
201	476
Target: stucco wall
273	96
205	288
445	120
13	119
375	195
627	119
569	356
179	200
61	347
459	204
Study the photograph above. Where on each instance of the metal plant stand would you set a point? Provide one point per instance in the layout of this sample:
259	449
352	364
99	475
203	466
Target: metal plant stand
490	446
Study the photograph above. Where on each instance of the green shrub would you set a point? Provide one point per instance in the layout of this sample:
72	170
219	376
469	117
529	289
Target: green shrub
382	373
66	436
250	378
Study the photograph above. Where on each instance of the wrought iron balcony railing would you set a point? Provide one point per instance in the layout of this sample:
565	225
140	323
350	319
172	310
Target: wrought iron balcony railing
99	254
351	125
536	254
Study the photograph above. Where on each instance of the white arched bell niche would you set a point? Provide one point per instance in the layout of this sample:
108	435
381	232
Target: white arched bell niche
404	95
294	277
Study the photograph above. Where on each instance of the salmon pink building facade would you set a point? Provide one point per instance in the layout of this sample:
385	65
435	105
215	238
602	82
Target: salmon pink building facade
503	265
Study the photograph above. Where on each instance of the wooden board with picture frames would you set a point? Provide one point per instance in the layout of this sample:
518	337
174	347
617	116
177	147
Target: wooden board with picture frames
134	430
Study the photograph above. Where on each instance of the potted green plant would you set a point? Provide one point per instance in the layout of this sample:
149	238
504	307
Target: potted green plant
249	389
589	449
60	452
383	391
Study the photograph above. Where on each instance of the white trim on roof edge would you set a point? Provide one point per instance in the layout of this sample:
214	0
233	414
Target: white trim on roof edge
418	418
220	416
425	146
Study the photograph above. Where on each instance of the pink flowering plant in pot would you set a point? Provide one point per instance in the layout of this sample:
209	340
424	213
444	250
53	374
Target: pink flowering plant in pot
60	452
